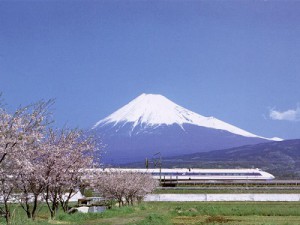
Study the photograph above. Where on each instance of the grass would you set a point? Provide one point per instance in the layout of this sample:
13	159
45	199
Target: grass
178	213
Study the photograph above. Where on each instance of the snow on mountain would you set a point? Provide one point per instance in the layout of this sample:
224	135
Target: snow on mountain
149	110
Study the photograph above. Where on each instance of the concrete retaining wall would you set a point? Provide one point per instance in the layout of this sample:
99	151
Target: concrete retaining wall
221	197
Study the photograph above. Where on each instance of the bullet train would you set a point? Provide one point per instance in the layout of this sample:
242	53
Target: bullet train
181	174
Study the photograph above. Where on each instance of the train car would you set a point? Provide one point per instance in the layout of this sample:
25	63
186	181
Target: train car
182	174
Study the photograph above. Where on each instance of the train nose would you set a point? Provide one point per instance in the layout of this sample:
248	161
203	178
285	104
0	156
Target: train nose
270	176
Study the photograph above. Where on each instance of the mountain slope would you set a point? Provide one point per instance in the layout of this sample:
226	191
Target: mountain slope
152	123
280	158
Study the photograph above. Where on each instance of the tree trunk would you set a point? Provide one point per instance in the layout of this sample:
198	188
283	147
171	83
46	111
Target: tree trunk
7	212
65	203
35	203
131	200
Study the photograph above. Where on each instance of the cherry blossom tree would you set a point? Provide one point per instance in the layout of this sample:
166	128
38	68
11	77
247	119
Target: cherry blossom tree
138	185
67	152
7	171
123	186
31	181
19	132
39	162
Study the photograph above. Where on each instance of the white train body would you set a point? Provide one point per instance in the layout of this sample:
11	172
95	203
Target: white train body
202	174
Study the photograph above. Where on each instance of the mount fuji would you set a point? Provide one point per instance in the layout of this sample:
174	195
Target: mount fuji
152	124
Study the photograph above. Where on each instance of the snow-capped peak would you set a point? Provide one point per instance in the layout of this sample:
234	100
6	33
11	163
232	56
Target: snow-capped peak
154	109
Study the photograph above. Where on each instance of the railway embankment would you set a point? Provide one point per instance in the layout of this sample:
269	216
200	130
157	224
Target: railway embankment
222	197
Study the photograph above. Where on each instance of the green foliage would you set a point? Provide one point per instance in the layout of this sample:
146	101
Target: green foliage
177	213
142	207
118	211
88	193
78	217
154	219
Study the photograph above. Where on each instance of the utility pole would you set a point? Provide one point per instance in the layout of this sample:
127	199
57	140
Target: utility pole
147	163
160	164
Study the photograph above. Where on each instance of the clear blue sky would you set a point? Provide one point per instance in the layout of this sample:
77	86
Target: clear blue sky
238	61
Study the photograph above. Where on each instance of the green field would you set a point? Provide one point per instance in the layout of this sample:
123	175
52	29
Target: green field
179	213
